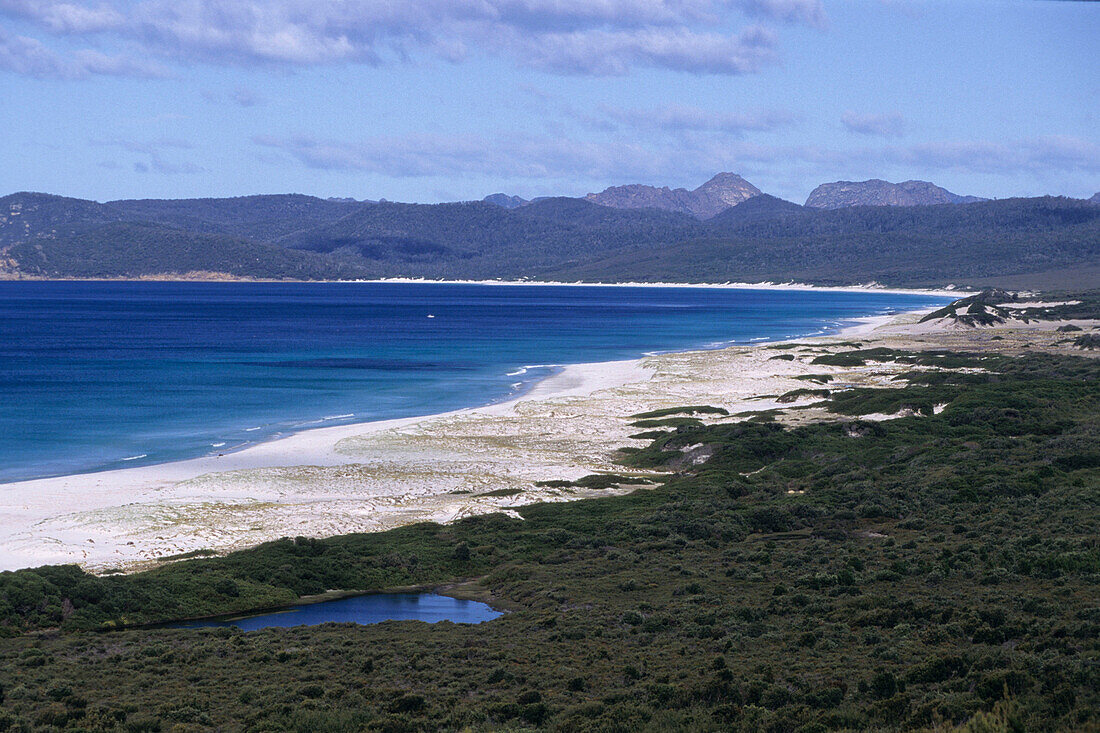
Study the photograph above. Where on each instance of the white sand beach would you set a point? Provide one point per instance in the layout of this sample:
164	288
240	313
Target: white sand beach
375	476
871	287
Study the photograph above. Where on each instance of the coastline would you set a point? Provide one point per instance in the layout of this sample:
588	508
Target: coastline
371	476
33	532
288	429
128	517
946	291
545	387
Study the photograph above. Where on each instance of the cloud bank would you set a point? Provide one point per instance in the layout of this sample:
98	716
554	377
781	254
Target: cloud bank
535	158
686	119
30	57
590	37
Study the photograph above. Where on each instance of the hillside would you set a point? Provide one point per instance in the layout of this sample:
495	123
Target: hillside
48	236
876	192
1048	242
476	239
131	250
770	239
264	218
1010	241
25	216
758	208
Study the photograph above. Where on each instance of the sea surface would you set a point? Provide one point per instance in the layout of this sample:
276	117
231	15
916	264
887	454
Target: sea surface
103	375
367	609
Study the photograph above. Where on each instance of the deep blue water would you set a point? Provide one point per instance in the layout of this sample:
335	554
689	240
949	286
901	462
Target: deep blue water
105	375
369	609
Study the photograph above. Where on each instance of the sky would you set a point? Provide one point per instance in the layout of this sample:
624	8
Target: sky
444	100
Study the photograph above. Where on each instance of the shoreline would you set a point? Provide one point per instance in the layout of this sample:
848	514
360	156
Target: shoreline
854	327
132	516
946	291
315	447
842	328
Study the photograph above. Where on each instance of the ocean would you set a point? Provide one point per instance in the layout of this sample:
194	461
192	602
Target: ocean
103	375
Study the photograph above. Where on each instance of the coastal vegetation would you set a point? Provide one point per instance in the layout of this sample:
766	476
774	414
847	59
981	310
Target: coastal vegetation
938	569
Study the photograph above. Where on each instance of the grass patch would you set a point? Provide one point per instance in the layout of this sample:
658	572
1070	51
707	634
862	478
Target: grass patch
689	410
502	492
797	394
819	378
668	422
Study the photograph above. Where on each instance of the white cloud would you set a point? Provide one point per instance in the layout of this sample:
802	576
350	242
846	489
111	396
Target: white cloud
1041	154
29	57
561	36
811	12
514	157
680	118
601	53
151	154
504	157
64	17
882	125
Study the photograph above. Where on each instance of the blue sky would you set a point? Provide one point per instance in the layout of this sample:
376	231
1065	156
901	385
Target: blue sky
441	100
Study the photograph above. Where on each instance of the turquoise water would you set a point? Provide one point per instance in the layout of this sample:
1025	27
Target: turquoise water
368	609
103	375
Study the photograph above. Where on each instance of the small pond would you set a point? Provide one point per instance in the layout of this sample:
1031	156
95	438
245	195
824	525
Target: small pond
367	609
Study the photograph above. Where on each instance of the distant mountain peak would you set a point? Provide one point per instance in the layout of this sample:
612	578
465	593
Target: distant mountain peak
877	192
505	201
724	180
1095	198
730	188
713	197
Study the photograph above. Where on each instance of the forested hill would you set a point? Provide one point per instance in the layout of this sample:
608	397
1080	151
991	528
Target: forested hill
1038	242
258	217
480	240
57	237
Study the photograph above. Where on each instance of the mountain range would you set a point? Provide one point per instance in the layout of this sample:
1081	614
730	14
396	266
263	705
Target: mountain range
1010	242
876	192
726	190
711	198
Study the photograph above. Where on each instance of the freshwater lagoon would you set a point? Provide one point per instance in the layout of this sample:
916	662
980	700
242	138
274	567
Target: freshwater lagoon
365	609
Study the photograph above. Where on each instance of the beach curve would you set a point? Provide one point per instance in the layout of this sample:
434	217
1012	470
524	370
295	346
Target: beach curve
378	475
